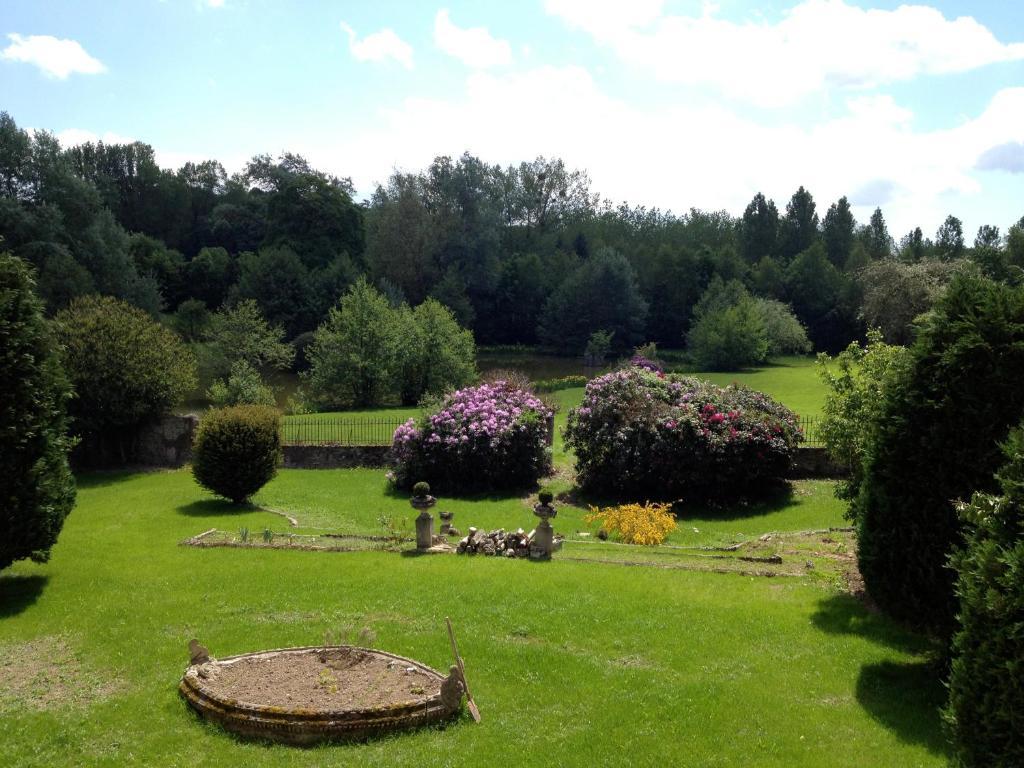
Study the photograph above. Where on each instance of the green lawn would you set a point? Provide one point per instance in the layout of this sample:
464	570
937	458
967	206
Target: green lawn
574	663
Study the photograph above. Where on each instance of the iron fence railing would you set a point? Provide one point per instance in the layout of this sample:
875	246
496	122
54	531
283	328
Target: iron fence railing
334	430
812	432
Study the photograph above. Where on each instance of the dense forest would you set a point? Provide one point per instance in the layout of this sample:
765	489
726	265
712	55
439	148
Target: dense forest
526	254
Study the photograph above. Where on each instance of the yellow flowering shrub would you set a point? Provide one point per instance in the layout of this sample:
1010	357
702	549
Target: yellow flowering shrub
646	524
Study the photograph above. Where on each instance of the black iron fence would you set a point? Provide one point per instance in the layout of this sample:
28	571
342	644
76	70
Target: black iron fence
339	430
812	432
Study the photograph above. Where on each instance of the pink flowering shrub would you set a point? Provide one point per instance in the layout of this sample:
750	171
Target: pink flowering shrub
645	435
488	437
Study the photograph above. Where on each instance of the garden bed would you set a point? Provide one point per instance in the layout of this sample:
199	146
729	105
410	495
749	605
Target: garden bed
306	695
319	542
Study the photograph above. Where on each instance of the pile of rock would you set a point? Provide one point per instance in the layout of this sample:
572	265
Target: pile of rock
499	543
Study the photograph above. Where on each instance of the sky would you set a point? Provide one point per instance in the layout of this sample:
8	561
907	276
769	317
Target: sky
918	109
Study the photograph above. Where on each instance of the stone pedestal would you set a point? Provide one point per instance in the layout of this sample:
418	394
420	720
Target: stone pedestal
424	521
446	522
424	530
543	542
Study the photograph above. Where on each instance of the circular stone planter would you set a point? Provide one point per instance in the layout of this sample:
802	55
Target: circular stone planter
321	693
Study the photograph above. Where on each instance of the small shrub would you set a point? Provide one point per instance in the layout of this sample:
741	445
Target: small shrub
487	437
545	497
236	450
646	524
644	435
598	346
856	381
421	490
244	386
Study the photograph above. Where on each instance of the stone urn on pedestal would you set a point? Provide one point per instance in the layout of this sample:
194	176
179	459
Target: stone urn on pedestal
543	542
423	501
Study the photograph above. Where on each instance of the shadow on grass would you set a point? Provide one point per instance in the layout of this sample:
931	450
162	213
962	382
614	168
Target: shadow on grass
214	508
19	592
907	699
846	615
102	479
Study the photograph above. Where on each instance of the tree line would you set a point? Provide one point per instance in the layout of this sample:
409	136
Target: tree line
523	254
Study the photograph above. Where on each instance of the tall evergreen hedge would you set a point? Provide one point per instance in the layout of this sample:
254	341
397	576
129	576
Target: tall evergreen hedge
986	686
37	490
937	441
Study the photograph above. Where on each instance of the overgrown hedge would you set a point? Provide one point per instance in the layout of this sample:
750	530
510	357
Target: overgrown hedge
489	437
643	435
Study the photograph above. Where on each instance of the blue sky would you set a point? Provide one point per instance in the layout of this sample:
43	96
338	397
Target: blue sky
919	109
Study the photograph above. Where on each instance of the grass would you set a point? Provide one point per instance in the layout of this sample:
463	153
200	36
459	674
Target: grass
580	663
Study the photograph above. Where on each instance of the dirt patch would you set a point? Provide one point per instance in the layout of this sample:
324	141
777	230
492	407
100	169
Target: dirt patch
333	679
632	661
48	673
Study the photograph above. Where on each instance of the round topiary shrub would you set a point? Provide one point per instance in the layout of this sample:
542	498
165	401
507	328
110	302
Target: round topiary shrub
488	437
643	435
236	450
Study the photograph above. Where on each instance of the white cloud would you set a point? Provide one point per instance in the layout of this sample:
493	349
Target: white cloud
678	156
475	46
817	44
379	46
55	57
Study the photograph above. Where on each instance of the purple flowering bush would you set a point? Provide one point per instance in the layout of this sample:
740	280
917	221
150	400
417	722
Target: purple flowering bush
489	437
644	435
640	361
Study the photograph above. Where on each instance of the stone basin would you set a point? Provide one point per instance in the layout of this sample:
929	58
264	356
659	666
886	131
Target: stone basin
319	693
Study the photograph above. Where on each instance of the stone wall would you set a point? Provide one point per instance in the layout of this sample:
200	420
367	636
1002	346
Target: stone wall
815	462
335	456
166	442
